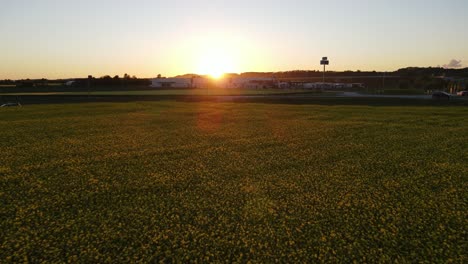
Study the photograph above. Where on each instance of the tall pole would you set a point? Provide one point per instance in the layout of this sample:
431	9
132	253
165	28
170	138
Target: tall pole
324	62
323	80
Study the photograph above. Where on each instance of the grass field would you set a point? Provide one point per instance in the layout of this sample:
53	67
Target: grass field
233	182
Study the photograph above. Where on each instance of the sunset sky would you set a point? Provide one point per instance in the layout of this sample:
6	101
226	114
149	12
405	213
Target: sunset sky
64	38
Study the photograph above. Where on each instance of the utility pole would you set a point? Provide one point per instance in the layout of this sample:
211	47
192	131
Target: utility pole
324	62
323	79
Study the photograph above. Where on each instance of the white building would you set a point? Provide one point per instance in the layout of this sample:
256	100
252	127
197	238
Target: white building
205	82
171	82
252	83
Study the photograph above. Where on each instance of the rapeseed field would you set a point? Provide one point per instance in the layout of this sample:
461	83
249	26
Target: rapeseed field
227	182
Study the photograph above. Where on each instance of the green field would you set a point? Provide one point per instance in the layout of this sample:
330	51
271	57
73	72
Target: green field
226	182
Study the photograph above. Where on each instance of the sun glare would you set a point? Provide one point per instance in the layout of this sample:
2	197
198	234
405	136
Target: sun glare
216	62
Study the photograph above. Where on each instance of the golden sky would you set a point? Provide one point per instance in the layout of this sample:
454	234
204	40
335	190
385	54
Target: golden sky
65	39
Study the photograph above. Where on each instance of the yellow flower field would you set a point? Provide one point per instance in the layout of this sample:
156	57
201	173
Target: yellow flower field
227	182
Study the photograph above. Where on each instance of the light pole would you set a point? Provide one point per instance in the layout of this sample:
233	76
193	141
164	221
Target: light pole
324	62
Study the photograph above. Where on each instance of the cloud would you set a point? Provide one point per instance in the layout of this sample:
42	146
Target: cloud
453	64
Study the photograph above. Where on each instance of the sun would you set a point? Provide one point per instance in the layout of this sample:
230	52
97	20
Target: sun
216	62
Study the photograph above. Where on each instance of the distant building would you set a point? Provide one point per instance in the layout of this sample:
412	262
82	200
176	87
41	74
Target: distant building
253	83
171	83
205	82
319	85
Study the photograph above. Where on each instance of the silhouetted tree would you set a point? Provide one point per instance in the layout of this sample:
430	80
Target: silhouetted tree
404	85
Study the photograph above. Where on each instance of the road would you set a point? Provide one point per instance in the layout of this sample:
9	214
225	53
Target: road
353	94
349	98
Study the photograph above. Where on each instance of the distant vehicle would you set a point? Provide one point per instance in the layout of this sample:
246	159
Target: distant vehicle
462	93
441	96
10	104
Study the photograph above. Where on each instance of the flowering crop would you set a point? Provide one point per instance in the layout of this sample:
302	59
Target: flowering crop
226	182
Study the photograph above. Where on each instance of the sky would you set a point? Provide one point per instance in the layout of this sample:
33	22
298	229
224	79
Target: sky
69	38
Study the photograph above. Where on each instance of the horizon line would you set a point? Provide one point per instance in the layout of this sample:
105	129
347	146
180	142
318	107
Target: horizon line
233	73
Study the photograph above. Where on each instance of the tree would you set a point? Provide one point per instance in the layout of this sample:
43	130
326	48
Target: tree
404	85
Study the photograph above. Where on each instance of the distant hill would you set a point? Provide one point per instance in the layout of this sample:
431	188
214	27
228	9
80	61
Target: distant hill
187	75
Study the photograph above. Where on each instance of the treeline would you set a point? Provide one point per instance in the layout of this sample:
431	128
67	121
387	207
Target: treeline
405	72
432	72
7	82
431	78
31	82
104	83
107	80
311	74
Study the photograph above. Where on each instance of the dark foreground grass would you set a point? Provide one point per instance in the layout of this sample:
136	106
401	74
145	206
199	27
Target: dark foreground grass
233	182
